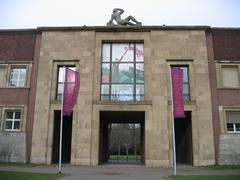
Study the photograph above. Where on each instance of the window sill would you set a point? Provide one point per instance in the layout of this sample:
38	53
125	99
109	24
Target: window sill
191	102
5	130
229	132
56	101
98	102
228	88
10	87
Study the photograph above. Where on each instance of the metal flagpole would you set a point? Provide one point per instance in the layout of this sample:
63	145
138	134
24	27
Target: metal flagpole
173	128
61	122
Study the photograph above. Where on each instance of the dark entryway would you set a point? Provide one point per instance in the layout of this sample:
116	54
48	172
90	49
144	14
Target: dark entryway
183	138
113	150
66	138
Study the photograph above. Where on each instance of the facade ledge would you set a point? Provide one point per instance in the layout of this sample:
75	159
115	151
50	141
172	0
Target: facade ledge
56	101
146	102
192	102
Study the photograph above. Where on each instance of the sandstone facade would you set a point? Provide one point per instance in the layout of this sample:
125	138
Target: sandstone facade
162	48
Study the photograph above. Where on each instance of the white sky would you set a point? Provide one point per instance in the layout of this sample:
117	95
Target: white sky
18	14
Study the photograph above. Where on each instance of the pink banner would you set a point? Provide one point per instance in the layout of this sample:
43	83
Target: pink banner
177	91
71	89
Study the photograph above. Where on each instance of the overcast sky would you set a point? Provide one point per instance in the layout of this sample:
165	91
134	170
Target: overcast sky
18	14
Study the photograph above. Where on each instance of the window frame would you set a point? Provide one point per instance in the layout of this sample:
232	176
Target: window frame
134	62
13	120
187	66
221	66
17	66
234	124
57	77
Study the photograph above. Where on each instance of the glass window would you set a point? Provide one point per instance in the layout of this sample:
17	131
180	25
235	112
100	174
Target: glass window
186	85
230	76
233	121
106	53
12	120
122	92
60	80
122	72
122	52
17	77
140	92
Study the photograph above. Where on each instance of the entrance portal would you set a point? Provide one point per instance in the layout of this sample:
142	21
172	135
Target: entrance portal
183	138
121	137
66	138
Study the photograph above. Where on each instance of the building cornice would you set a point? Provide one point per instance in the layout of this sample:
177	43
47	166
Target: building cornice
225	28
18	30
121	28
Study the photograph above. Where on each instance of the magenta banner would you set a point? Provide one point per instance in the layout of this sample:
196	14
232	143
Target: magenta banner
71	89
177	91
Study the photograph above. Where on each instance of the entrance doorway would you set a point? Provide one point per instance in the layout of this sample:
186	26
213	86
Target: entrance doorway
183	139
66	138
121	137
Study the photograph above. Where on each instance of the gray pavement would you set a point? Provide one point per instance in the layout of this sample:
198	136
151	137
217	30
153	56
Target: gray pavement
120	172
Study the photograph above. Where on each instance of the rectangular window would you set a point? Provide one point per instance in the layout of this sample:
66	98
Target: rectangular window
18	76
60	80
230	76
122	77
2	75
12	120
233	121
186	84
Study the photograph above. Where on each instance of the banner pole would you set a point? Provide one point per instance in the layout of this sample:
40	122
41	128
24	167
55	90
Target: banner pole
173	128
61	124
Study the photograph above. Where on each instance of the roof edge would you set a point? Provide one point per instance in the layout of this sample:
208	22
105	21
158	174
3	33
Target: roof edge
225	28
17	30
122	28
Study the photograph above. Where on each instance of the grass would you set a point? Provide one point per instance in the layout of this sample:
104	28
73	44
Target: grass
123	157
210	177
28	176
216	166
18	164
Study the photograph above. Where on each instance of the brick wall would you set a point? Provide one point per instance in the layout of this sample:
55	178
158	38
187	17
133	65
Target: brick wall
17	46
226	45
222	45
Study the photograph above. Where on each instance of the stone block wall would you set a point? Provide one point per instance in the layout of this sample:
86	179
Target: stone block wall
229	149
13	146
58	48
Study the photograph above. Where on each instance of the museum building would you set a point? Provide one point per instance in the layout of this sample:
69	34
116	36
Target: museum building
125	79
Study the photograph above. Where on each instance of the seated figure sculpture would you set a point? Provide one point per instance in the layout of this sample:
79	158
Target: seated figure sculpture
116	16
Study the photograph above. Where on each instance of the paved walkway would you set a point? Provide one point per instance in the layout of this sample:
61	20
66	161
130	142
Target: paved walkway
120	172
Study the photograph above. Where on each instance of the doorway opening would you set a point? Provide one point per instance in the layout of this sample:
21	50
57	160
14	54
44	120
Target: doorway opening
66	138
121	137
183	139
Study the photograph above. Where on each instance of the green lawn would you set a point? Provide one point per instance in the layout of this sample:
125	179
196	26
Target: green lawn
218	177
27	176
216	166
123	157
